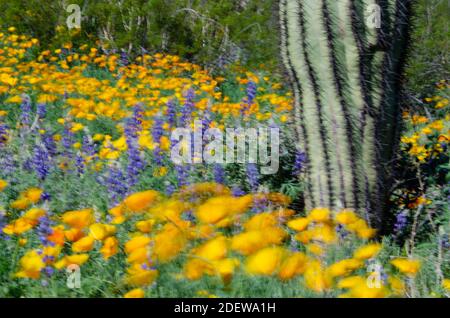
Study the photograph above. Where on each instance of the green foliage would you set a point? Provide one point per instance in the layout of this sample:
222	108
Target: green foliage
428	60
208	32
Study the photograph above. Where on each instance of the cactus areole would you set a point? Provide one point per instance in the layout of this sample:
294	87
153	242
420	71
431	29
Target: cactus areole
344	59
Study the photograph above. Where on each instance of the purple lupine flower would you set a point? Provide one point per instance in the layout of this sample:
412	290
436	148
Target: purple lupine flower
171	113
79	163
41	161
260	204
188	107
170	189
253	176
7	162
49	271
401	222
67	140
219	174
252	90
45	196
28	164
299	163
117	184
135	162
44	229
41	110
3	133
182	175
237	192
49	143
157	129
124	61
157	133
25	108
206	121
88	147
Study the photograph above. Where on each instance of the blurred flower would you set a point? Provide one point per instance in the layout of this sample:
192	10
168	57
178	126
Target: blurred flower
41	161
25	107
41	110
253	176
135	293
401	222
299	163
44	230
406	266
31	265
187	108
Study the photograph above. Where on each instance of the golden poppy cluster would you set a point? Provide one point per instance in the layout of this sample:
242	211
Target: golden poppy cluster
431	135
214	234
63	77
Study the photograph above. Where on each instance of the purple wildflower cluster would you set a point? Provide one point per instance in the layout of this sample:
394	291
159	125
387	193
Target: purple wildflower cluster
25	108
124	60
67	140
116	182
44	229
49	143
253	176
157	133
182	175
171	113
219	174
88	146
252	91
7	162
3	133
401	222
135	162
41	161
188	107
41	110
237	192
79	163
299	163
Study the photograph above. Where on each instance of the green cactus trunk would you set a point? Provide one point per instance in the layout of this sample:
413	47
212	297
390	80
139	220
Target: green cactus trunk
345	76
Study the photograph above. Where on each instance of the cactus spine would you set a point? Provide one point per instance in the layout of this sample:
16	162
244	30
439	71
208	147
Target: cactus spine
345	77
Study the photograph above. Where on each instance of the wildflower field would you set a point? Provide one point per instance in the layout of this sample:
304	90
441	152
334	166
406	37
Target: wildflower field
91	204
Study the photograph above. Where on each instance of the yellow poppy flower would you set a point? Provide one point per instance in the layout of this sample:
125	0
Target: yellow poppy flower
84	244
110	247
293	265
3	185
367	251
31	265
407	266
78	219
136	242
140	201
135	293
265	261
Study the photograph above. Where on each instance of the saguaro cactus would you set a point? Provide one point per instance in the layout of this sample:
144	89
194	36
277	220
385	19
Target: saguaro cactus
345	71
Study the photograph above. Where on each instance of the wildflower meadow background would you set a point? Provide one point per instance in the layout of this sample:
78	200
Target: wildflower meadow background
91	204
